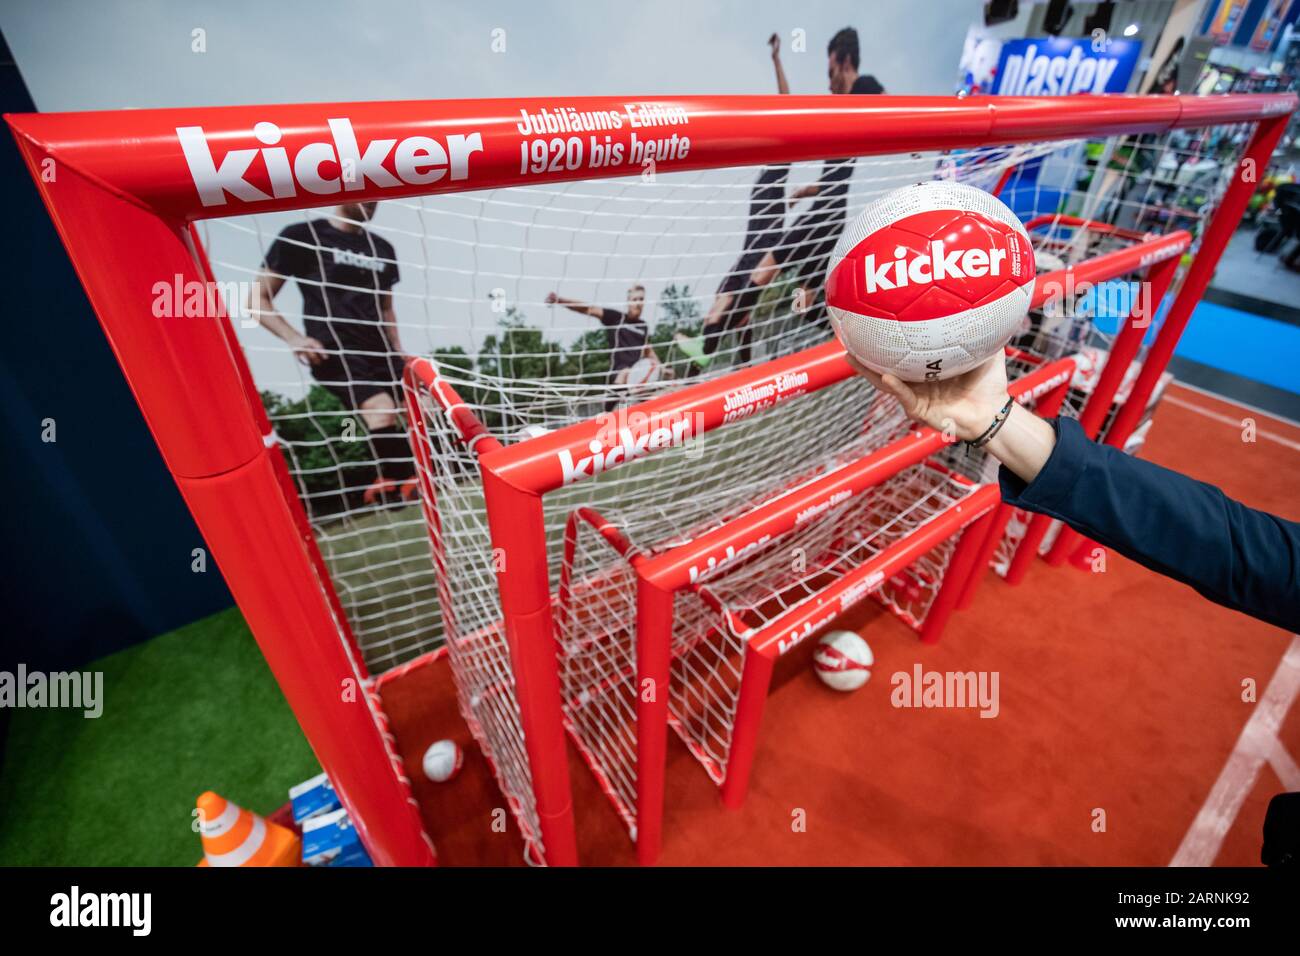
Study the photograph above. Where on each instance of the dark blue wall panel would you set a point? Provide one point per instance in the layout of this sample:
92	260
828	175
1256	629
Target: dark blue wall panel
96	540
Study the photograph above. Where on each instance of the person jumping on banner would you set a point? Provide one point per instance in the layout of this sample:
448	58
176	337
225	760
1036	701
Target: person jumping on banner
769	248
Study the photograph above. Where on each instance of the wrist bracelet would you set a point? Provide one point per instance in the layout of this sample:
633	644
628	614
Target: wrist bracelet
998	420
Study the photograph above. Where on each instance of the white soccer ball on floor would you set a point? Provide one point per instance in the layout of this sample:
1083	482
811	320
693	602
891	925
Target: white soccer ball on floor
443	760
843	660
930	281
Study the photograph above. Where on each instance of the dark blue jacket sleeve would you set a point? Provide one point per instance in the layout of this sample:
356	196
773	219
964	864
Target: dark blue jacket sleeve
1245	559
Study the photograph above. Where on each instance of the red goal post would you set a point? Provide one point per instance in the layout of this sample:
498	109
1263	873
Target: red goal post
125	190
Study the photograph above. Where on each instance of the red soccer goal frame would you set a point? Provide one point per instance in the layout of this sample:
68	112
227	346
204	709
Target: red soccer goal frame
124	201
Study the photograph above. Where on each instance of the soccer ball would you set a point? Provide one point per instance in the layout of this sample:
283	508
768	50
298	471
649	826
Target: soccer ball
930	281
443	760
843	660
646	371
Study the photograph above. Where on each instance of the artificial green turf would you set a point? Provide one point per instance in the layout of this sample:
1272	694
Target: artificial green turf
193	710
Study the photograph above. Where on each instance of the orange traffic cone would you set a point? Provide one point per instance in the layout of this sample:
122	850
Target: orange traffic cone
233	836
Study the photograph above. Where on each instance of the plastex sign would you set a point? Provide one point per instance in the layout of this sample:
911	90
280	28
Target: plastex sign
1058	66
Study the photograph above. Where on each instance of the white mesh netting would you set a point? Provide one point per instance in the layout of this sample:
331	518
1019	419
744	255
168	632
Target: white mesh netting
713	621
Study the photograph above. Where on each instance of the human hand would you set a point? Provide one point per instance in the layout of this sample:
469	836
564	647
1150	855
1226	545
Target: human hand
551	298
308	351
774	41
963	405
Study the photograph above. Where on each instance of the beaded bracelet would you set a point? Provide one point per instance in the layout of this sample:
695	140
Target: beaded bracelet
998	420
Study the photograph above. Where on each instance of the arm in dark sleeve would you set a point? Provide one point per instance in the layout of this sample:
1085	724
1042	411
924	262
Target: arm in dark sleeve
1190	531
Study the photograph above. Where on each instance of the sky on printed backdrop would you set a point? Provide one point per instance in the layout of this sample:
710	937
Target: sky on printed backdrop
110	55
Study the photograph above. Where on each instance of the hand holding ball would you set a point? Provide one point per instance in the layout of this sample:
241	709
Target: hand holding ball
930	281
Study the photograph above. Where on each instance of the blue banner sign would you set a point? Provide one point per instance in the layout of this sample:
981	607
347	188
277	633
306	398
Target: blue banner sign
1058	66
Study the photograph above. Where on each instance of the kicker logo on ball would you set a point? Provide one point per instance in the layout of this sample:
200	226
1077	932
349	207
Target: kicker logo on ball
930	281
936	266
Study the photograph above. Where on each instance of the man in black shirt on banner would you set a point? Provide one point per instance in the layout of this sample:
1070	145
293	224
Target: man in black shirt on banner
350	342
626	334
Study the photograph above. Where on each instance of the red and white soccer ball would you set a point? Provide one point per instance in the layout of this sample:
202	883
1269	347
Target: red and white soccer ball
843	660
646	371
443	760
930	281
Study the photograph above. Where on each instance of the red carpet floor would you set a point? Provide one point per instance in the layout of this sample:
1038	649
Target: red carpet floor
1120	703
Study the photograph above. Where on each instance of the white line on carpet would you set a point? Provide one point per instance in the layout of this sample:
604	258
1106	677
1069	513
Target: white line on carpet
1257	744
